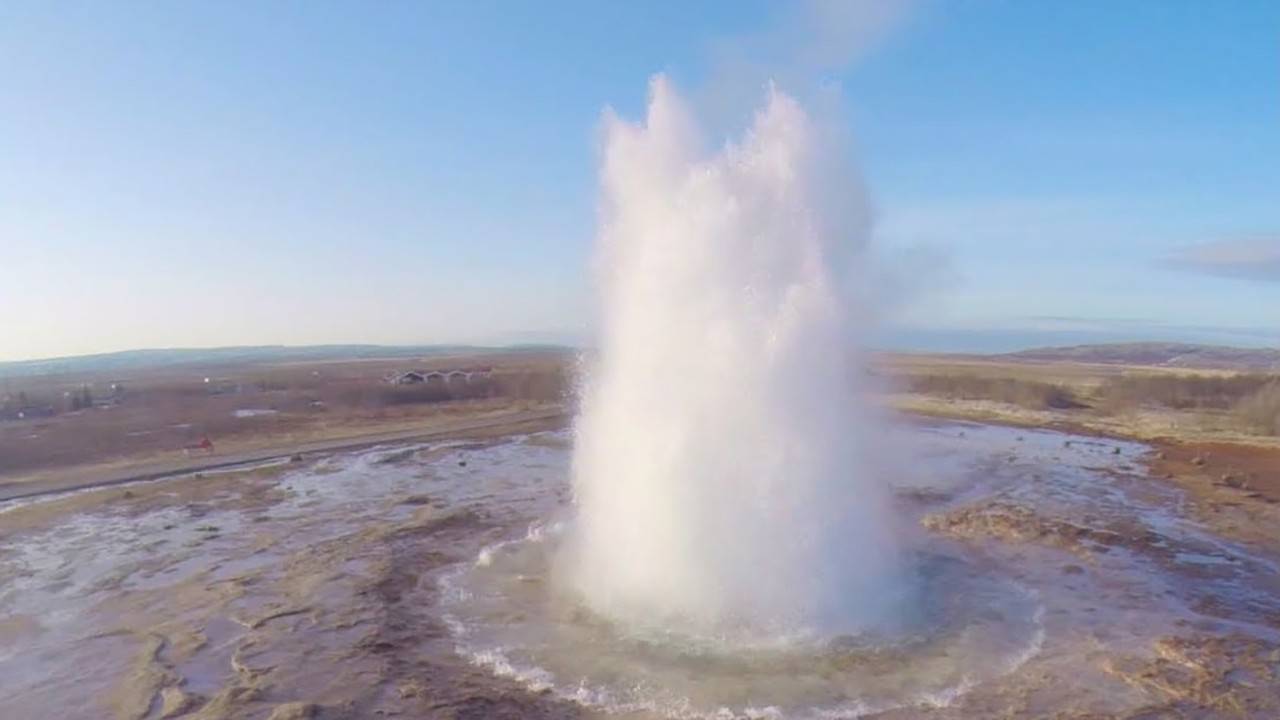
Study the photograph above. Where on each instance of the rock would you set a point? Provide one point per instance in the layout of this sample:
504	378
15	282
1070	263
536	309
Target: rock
1204	677
293	711
462	463
230	701
1115	451
396	458
1235	481
174	702
295	458
1197	461
410	689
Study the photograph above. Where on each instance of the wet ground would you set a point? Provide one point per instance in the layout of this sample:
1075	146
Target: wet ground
1051	577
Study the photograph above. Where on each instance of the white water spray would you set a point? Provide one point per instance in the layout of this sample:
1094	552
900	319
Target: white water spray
720	468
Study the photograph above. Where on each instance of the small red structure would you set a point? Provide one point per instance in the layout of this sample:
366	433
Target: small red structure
205	445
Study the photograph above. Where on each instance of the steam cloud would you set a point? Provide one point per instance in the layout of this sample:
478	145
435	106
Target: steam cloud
721	469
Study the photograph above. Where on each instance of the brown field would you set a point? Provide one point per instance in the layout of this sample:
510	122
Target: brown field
1142	402
148	424
154	416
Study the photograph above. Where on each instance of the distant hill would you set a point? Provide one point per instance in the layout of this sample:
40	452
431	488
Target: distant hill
1158	354
155	358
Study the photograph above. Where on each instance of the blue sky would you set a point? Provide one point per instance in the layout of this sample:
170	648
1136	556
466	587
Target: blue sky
204	174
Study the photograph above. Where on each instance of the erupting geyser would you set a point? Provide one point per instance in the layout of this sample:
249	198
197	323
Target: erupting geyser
732	551
721	475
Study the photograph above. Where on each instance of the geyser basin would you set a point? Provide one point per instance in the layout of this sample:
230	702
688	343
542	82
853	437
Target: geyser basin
377	547
963	626
722	476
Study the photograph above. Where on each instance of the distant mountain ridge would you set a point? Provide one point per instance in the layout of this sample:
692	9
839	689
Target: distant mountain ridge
1158	354
168	357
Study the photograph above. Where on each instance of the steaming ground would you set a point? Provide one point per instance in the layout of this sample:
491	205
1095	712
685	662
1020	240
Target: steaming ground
419	581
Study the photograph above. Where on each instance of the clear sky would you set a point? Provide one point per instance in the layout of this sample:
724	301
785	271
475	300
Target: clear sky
178	174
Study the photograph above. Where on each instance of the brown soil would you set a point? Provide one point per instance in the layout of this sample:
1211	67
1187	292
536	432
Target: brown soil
1206	677
1235	487
1015	523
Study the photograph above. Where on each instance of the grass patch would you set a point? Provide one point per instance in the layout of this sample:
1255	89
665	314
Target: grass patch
1033	394
1241	402
1180	392
1260	411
